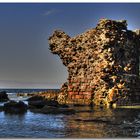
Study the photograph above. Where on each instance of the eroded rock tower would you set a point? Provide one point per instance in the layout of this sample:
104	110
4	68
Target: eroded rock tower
103	64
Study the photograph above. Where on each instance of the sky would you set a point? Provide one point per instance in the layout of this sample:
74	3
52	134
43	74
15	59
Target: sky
25	58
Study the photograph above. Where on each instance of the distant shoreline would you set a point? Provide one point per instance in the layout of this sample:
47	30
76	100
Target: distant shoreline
18	90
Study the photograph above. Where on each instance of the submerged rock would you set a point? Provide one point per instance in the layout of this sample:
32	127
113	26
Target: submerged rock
54	110
3	96
15	107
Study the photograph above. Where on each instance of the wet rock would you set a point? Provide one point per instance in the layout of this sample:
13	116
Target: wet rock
40	102
3	96
103	64
54	110
36	102
15	107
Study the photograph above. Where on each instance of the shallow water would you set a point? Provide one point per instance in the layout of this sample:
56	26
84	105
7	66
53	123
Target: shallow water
101	123
87	123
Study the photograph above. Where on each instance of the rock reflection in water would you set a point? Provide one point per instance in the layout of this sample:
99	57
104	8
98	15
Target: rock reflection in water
104	123
86	123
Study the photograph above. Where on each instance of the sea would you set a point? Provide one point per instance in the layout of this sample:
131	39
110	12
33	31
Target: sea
88	122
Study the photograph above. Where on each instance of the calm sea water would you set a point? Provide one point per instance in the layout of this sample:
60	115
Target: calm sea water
99	123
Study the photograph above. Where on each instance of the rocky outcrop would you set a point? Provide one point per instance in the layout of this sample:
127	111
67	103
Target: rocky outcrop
15	107
40	102
50	94
103	64
3	96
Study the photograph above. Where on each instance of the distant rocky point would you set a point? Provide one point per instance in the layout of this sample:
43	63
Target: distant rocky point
103	64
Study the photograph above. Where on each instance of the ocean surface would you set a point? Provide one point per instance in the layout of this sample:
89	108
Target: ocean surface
88	123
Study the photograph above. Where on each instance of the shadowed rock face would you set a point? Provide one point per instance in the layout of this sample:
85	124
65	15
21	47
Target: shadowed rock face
3	96
103	64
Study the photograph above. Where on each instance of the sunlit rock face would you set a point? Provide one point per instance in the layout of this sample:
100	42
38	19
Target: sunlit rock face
103	64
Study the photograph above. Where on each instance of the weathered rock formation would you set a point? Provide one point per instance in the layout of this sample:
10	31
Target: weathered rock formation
103	64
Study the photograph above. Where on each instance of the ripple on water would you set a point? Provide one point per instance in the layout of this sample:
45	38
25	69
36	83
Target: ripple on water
110	123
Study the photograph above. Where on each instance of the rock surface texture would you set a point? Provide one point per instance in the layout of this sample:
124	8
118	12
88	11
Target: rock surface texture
103	64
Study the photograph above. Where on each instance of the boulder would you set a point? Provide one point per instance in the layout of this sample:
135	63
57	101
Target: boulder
15	107
36	104
40	102
3	96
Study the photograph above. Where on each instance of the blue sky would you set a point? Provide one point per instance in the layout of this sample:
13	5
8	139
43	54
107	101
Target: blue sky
25	60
